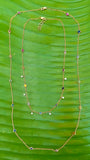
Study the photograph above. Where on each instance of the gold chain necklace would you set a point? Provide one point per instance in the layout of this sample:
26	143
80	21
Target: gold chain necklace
43	19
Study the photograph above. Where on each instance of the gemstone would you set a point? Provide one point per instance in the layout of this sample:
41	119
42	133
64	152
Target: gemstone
79	81
77	56
31	148
12	105
28	104
10	56
22	76
63	69
43	18
80	107
62	87
10	80
50	113
22	50
56	104
78	31
25	85
18	12
67	14
9	31
74	133
64	52
31	113
65	78
43	8
24	94
23	67
62	97
14	130
56	150
40	112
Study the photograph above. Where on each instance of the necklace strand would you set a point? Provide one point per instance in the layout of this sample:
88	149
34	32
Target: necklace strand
23	76
25	84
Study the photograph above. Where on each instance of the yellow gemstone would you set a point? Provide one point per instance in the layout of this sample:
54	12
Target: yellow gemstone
80	107
25	85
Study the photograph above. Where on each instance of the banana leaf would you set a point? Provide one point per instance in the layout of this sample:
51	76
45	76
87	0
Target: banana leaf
43	60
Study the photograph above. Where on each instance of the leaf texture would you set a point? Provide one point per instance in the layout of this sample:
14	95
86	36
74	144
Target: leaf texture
43	59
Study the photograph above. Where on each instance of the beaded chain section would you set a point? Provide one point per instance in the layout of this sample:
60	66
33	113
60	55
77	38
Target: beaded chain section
43	19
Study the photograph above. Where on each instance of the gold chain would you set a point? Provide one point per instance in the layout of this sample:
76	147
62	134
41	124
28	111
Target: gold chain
43	19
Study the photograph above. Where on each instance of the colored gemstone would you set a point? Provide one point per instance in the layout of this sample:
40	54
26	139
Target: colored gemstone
50	113
10	80
64	52
74	133
25	85
9	31
12	105
22	50
18	12
80	107
28	104
31	148
67	14
62	88
63	69
31	113
78	31
40	112
77	56
79	81
14	130
56	150
56	104
10	56
23	67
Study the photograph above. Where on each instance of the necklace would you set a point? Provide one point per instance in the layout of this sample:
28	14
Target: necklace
43	19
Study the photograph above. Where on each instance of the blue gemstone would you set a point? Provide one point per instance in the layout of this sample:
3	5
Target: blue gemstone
78	31
14	130
40	112
12	105
31	148
62	87
56	104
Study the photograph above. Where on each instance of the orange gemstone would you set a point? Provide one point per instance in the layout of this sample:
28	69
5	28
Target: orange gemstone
10	56
74	133
23	67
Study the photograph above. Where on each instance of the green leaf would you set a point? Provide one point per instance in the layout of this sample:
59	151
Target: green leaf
43	60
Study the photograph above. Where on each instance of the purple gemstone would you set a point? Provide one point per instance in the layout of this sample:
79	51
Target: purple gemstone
9	31
19	12
56	104
62	87
63	69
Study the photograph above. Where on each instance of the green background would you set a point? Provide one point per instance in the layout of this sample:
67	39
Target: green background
43	59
